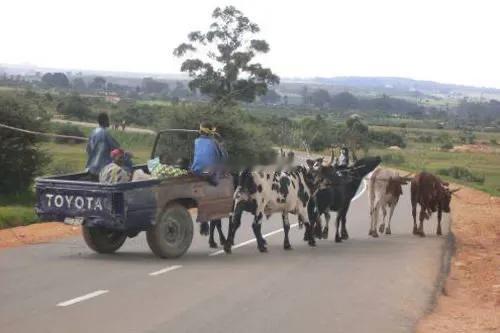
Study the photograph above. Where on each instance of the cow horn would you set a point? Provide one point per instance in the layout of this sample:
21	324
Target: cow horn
455	190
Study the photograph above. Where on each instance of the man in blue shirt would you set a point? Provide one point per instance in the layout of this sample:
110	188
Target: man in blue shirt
99	146
209	155
209	158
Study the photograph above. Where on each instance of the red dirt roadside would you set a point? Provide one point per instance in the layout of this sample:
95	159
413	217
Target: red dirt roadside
470	300
36	233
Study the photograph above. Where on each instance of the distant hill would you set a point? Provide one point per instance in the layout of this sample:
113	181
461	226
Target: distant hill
397	84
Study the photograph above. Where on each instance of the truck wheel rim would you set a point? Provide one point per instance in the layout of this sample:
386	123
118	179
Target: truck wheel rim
113	236
172	231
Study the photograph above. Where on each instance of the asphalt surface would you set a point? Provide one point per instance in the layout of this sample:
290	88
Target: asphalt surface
360	285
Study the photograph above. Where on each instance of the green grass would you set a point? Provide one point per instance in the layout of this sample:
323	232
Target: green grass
422	156
16	210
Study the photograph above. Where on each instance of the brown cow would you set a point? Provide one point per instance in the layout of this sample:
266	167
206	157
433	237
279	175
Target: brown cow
433	195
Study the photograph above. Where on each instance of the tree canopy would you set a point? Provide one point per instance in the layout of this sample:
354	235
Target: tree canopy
227	72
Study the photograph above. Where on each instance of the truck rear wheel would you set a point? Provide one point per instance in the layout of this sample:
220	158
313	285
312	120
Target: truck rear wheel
103	240
172	234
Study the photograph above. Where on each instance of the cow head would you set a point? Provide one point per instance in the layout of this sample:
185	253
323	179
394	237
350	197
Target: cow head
444	196
314	164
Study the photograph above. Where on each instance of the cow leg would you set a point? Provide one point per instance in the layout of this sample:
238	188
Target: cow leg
257	230
414	214
218	225
234	224
388	229
317	227
338	239
384	215
438	231
204	229
345	235
286	229
421	217
324	234
375	216
211	241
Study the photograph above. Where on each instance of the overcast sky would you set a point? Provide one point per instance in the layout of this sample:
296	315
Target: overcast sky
448	41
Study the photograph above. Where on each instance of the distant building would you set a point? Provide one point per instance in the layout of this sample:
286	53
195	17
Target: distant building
112	98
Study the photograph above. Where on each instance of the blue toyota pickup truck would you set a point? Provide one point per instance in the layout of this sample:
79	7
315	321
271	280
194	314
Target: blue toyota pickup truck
109	214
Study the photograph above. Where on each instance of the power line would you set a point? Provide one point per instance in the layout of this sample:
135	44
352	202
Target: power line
44	134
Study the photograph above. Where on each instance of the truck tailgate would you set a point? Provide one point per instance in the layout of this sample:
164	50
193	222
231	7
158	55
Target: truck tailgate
58	201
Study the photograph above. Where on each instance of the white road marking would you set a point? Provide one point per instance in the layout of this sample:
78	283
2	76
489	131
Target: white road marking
253	240
83	298
165	270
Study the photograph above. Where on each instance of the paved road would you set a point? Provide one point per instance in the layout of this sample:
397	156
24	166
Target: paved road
361	285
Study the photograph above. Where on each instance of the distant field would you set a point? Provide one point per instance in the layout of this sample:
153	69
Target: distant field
453	133
154	102
420	156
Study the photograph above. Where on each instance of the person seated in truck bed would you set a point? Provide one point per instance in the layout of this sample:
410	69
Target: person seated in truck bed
115	172
99	147
209	154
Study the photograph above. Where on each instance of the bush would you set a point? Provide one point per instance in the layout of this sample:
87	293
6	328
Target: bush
461	173
424	138
387	139
71	130
75	106
394	159
20	156
446	146
493	142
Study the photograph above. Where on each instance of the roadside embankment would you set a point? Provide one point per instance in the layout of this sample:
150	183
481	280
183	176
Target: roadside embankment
470	298
36	233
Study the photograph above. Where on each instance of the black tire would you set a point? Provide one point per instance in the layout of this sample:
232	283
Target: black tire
103	240
172	233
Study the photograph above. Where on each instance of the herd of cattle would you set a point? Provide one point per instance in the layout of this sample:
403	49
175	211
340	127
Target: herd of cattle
313	190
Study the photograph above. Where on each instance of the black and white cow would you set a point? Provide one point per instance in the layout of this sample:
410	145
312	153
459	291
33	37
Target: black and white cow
267	190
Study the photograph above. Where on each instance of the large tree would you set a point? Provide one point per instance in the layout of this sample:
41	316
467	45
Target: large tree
226	71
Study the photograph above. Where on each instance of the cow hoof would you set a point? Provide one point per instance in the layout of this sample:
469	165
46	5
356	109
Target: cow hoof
381	228
387	231
287	246
338	240
324	235
421	234
374	234
262	249
227	249
312	243
439	233
415	231
305	237
345	236
213	245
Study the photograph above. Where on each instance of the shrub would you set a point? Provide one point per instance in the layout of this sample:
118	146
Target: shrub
387	139
71	130
75	106
493	142
461	173
446	146
20	156
424	138
394	159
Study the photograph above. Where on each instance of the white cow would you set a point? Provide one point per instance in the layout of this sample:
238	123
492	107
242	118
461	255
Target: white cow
384	191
